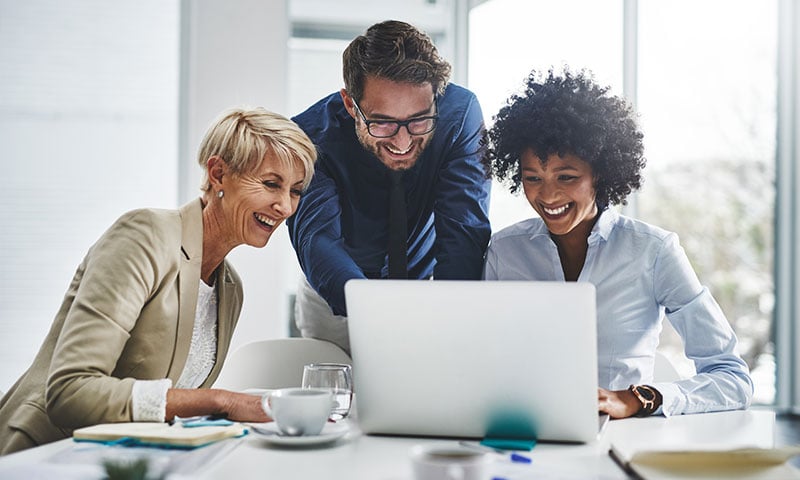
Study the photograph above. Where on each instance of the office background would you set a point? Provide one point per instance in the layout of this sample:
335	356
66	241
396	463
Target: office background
103	104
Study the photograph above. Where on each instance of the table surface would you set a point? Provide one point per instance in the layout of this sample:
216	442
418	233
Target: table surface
359	456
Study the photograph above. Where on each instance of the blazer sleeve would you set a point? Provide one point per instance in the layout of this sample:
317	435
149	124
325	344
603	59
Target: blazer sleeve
116	279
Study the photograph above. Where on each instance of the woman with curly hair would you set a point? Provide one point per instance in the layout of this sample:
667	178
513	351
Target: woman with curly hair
576	151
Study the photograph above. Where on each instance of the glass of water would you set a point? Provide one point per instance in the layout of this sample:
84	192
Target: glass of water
336	377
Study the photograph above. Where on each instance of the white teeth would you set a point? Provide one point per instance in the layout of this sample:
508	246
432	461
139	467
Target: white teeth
398	152
556	211
265	220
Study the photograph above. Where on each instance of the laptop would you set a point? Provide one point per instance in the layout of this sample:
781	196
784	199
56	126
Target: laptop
447	358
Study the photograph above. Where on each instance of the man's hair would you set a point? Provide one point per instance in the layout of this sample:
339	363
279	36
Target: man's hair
242	137
396	51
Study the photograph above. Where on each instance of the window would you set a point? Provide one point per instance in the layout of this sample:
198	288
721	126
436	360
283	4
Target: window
706	97
707	104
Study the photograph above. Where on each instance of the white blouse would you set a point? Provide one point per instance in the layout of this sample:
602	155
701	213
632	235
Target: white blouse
150	396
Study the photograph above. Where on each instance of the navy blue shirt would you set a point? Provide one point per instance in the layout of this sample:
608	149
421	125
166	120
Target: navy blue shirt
340	229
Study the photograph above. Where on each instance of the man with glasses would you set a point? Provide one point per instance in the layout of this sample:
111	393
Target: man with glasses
400	190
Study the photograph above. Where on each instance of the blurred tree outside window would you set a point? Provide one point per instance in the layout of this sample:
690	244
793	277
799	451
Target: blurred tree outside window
707	90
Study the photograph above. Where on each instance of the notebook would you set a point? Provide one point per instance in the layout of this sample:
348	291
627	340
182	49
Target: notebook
157	434
732	445
474	358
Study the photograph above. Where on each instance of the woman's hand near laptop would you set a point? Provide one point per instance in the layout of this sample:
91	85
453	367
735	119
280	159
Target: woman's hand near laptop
639	400
238	407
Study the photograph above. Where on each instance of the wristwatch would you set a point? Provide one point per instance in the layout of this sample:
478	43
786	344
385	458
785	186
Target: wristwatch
649	397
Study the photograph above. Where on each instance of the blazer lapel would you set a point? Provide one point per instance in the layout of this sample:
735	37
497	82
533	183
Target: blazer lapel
188	283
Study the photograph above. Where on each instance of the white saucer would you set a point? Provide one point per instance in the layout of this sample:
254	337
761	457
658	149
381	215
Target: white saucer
269	432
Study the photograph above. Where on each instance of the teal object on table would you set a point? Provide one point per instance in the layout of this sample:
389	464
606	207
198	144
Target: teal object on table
509	443
510	429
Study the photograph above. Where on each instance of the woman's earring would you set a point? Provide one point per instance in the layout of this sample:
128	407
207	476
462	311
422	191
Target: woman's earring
220	194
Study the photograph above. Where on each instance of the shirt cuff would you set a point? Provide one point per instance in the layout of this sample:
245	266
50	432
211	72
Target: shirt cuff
149	399
672	400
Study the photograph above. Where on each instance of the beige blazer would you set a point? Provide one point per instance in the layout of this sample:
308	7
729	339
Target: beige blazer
128	314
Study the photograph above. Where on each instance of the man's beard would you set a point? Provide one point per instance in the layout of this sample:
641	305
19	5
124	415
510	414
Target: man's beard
375	147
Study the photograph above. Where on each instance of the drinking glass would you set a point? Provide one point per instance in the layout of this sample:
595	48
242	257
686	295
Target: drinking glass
336	377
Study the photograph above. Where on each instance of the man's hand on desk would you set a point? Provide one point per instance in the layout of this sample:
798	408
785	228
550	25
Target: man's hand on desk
619	403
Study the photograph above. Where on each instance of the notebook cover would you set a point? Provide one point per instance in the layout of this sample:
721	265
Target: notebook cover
158	434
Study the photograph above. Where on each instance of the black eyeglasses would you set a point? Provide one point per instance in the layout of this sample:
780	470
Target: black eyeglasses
389	128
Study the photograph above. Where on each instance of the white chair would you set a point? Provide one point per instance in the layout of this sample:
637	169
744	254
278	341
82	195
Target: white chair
276	363
664	370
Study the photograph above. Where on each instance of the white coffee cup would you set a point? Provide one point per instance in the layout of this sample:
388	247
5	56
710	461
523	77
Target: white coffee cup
449	462
298	411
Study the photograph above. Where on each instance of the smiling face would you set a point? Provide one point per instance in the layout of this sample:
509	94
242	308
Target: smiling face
385	99
561	191
255	203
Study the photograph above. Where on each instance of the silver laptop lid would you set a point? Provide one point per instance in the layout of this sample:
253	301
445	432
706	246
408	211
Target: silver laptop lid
465	358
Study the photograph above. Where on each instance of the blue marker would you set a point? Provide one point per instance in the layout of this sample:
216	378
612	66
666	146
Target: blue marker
517	458
514	456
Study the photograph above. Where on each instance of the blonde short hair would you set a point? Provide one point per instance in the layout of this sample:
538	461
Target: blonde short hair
242	137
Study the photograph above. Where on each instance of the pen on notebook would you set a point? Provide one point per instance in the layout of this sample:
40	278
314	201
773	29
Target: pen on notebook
181	420
197	418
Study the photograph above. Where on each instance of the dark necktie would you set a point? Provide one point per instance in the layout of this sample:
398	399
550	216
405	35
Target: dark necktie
398	263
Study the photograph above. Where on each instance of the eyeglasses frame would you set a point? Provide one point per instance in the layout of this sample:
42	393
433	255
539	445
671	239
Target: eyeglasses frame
400	123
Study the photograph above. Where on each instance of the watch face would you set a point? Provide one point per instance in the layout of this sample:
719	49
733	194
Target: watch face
646	393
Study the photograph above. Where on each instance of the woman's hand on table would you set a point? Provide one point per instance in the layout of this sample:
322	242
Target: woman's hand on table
617	403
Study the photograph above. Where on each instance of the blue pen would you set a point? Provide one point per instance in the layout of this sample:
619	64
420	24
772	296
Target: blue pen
514	456
517	458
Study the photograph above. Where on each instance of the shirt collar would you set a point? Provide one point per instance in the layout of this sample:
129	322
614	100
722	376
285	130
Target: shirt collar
604	225
539	230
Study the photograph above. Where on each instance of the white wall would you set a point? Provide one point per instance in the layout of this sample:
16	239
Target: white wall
88	127
235	53
102	106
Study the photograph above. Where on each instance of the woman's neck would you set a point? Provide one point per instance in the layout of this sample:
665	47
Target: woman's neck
572	248
215	246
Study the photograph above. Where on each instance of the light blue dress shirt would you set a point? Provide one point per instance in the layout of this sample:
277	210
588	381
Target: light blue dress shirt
640	273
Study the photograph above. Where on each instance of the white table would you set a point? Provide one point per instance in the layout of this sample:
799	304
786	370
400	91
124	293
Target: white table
359	456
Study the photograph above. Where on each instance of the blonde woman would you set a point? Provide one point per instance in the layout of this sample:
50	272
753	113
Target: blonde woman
147	320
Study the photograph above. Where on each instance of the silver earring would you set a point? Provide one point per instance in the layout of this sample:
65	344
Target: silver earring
220	194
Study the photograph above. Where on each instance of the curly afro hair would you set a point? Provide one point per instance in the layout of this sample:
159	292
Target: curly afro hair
569	114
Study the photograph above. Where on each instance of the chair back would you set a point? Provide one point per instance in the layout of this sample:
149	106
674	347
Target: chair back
275	363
